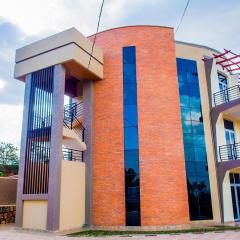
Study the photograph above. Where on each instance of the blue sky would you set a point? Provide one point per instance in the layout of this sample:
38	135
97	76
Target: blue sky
213	23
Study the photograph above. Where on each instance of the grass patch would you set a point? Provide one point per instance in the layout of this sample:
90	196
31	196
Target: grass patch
105	233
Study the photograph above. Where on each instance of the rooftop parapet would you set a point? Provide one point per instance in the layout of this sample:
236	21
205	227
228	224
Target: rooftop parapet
70	48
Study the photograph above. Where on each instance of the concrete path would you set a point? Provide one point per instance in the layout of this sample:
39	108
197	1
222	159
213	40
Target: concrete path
13	234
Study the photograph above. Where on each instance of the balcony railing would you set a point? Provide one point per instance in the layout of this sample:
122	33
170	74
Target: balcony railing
70	120
226	95
229	152
72	155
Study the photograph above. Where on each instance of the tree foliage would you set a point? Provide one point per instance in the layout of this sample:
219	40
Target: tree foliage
8	159
8	154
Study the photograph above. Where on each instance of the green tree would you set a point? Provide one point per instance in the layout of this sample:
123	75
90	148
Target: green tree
8	159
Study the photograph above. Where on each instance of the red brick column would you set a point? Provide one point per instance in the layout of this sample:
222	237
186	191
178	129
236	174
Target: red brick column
162	169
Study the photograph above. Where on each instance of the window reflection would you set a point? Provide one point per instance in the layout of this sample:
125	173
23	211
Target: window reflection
131	148
194	141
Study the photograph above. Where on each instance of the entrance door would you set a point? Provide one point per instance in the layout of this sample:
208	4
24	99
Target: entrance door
235	190
230	139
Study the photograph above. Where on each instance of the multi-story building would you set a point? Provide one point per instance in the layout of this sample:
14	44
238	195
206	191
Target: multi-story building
149	137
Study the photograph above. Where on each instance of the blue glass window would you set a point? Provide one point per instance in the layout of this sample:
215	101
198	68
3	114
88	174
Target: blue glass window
130	138
194	142
130	94
129	73
130	115
131	148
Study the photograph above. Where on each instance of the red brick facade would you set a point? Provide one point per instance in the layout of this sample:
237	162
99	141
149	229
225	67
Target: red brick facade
163	185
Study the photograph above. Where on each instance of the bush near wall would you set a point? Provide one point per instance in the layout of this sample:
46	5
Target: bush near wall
7	214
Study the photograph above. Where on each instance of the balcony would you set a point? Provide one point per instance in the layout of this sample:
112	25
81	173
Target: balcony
72	155
226	95
229	158
226	101
229	152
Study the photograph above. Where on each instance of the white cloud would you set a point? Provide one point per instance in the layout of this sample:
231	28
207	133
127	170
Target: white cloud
2	84
36	17
43	17
11	123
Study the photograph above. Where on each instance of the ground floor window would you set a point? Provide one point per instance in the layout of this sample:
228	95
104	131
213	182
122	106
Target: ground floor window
235	190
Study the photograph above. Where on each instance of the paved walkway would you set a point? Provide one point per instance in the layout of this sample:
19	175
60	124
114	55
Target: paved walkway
13	234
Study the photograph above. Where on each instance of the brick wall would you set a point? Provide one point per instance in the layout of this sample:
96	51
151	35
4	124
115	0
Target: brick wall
162	169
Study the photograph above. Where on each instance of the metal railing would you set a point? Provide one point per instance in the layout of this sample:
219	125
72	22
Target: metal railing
70	120
226	95
72	154
76	108
229	152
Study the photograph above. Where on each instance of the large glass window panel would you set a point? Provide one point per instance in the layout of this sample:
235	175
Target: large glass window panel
130	115
185	114
129	55
198	140
131	161
130	138
191	65
197	128
193	89
191	169
196	114
200	154
202	169
231	177
188	139
187	126
131	153
237	178
184	101
129	73
193	208
194	142
205	207
184	88
194	78
203	184
192	187
130	94
194	102
235	212
189	153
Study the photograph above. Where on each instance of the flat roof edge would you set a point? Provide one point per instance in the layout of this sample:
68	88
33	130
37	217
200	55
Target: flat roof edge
129	26
198	45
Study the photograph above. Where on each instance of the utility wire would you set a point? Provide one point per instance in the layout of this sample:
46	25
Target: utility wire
99	19
184	12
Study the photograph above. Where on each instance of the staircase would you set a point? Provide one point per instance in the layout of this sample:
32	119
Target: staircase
73	119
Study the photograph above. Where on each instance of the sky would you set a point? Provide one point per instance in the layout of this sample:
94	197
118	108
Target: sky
214	23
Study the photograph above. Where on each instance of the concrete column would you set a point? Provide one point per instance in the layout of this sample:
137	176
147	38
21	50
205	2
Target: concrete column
88	154
19	203
55	162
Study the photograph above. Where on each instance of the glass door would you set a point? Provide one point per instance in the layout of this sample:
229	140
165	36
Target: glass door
235	190
223	86
230	139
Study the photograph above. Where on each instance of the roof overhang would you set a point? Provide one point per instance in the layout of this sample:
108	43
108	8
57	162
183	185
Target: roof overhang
70	48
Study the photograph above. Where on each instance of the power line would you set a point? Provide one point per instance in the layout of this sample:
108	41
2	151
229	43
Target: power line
99	19
184	12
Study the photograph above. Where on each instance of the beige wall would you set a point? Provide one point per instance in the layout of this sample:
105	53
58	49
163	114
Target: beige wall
35	215
197	54
72	196
227	200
